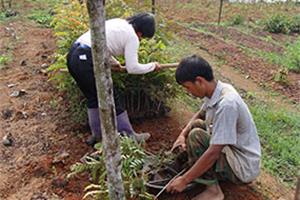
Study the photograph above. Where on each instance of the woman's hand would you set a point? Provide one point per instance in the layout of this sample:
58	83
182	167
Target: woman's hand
157	66
118	68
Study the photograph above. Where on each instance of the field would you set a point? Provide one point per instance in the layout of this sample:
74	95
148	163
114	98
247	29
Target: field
47	140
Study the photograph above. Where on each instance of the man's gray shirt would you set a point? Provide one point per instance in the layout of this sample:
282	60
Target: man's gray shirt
230	123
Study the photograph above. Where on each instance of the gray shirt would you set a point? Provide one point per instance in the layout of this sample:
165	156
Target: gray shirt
230	123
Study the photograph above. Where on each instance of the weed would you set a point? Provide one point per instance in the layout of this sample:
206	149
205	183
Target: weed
281	76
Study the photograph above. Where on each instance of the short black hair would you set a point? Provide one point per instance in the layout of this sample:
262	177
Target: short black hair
144	23
191	67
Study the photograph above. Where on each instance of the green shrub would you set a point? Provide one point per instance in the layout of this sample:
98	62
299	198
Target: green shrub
237	20
278	24
295	24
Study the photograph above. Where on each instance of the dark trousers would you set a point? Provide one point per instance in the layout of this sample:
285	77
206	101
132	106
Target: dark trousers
80	66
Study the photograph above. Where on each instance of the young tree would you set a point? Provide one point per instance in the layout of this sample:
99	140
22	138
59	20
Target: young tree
102	71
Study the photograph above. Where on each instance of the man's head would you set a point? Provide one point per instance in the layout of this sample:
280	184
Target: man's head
195	74
143	24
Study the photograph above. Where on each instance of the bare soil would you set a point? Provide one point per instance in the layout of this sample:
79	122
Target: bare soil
193	22
45	140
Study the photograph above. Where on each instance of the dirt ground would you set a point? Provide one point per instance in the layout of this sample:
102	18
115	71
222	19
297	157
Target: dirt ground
46	142
196	22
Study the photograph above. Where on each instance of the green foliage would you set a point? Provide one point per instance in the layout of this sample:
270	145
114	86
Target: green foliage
43	17
278	24
237	20
283	24
279	132
295	24
290	59
4	59
133	158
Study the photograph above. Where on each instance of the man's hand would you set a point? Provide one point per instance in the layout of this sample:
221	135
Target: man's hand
157	66
180	142
177	185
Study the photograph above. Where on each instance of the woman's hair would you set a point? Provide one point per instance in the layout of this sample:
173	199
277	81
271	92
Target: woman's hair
143	23
191	67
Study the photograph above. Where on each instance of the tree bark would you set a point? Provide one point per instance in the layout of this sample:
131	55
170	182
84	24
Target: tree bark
297	194
102	71
153	6
220	11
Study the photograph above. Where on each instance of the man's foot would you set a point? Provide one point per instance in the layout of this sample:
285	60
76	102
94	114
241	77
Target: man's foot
212	192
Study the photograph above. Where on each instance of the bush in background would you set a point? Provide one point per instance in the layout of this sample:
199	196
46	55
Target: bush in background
283	24
295	24
237	20
278	24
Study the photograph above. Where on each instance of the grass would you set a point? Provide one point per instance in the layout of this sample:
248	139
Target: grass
42	17
279	132
290	59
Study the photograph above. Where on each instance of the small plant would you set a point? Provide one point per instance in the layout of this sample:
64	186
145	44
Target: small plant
3	61
43	17
281	76
133	158
278	24
237	20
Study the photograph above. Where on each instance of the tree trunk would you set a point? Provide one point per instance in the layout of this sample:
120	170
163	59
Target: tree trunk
2	5
220	12
297	195
153	6
110	138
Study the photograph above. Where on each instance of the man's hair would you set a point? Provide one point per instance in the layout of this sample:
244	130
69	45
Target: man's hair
191	67
144	23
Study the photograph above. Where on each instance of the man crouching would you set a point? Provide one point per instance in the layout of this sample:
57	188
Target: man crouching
221	139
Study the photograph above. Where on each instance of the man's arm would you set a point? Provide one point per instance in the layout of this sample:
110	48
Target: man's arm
204	163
